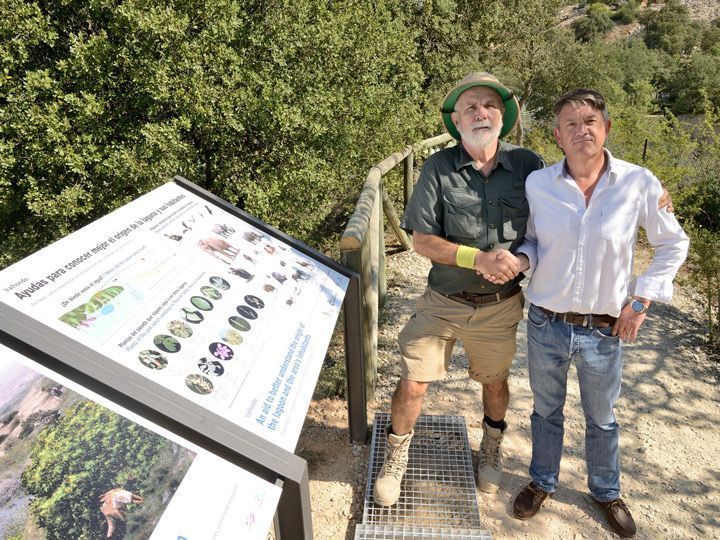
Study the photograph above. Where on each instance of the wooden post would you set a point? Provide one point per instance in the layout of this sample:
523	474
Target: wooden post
409	177
370	309
354	356
382	281
394	222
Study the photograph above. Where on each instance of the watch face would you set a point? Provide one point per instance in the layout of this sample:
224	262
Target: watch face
637	306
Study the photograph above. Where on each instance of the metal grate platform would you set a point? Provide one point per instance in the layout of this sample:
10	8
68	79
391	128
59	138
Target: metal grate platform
438	498
386	532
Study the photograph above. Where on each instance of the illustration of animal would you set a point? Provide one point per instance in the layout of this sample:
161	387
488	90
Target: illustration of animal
113	506
223	230
218	248
252	237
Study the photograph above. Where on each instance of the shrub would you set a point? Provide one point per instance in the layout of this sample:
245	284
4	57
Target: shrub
595	24
628	12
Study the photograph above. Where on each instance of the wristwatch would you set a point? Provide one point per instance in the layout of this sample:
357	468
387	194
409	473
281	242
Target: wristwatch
637	306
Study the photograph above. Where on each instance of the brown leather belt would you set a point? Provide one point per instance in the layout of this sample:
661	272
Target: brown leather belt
588	320
483	299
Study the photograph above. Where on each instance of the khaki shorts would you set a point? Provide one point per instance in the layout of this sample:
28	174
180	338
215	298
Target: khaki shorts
488	333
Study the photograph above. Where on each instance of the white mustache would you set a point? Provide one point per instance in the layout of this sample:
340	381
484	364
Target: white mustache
482	125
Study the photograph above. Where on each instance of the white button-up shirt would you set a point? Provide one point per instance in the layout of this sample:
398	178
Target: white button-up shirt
581	257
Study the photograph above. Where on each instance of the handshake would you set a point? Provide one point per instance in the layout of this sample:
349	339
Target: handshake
499	267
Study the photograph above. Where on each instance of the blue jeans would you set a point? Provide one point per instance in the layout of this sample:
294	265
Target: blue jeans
552	345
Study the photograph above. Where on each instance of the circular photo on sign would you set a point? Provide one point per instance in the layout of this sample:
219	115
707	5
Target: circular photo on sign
166	343
192	316
152	359
231	336
219	283
247	312
211	367
179	329
211	292
201	303
199	384
221	351
238	323
254	301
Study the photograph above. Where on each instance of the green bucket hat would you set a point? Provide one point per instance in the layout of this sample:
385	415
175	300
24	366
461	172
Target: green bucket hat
480	78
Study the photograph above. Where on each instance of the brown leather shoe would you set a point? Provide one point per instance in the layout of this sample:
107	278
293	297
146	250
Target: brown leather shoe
529	501
619	518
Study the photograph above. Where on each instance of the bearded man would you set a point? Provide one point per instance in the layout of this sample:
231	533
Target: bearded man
467	214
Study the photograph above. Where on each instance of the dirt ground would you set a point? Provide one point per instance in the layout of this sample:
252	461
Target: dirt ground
668	412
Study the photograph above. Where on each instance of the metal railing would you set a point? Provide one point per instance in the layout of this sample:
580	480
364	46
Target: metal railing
362	247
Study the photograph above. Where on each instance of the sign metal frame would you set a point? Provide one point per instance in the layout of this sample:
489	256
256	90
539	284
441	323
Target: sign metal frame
187	419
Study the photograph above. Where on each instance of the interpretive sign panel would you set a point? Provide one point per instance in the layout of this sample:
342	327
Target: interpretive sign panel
195	298
78	466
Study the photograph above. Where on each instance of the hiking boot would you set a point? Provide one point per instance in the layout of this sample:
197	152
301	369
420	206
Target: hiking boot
619	517
491	462
387	485
529	501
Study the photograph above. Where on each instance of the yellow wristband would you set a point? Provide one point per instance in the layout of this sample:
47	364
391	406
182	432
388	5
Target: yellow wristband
465	257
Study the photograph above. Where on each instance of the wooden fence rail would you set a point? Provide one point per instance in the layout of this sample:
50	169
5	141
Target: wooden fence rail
362	245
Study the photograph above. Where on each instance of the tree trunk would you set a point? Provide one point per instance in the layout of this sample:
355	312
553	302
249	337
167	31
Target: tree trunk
710	306
717	298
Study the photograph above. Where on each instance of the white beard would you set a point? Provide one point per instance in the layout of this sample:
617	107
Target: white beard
481	139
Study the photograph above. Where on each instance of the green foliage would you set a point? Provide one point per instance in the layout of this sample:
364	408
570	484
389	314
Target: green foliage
699	193
526	43
710	40
277	106
628	12
696	76
671	29
704	259
442	49
72	463
332	380
669	161
595	24
574	65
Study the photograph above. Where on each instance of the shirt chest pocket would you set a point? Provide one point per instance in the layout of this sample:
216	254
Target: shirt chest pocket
514	210
463	213
618	223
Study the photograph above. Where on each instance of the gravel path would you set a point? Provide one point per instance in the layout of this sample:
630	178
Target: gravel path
668	412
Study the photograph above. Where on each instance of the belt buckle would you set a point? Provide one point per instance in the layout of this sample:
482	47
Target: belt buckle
586	319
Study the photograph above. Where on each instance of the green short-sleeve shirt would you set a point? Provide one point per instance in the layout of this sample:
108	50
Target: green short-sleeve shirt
455	201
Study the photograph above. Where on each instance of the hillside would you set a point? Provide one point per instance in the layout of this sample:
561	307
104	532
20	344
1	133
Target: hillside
700	10
703	10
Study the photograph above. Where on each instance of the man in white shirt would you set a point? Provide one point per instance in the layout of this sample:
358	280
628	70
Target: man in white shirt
584	216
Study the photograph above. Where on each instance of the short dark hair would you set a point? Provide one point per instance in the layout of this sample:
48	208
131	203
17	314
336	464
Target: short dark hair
582	96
